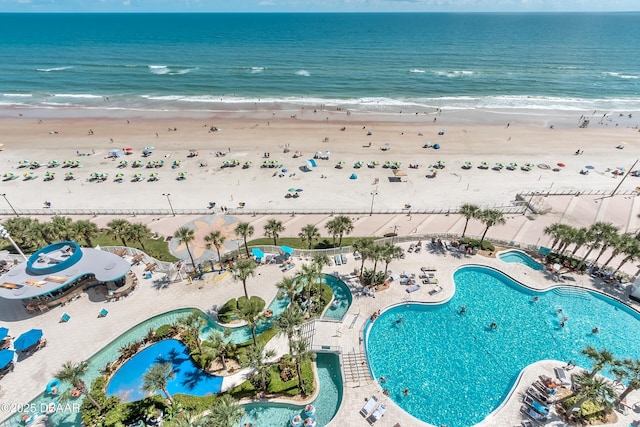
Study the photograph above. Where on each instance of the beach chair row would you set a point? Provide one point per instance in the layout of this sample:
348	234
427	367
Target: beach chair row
372	411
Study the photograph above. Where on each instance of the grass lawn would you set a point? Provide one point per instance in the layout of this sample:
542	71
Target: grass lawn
157	248
297	243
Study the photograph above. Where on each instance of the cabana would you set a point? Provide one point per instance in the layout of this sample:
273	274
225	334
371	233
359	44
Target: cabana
258	254
287	251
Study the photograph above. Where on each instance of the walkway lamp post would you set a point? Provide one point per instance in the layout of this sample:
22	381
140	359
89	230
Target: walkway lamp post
4	233
170	205
10	205
374	193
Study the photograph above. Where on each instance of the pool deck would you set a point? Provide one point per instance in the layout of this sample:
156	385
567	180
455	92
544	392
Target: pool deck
86	333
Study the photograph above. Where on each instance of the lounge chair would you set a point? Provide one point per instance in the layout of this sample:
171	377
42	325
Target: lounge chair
526	423
103	313
412	288
562	376
65	317
343	258
437	289
533	415
368	407
539	407
377	414
540	397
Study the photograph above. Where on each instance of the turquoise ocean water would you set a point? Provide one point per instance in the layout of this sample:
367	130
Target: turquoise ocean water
374	62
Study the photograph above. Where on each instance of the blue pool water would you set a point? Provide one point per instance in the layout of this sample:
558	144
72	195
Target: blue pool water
189	379
327	403
458	370
342	298
521	258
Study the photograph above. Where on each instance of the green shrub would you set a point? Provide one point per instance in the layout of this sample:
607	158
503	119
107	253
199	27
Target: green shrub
163	332
474	243
226	312
194	403
245	389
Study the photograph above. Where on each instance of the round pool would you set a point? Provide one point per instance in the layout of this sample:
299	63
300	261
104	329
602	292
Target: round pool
457	369
513	255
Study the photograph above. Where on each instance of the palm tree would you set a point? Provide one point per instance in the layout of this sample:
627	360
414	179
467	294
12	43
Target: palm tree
287	287
388	253
469	211
599	359
251	311
320	259
39	235
224	412
218	345
215	239
375	254
19	228
71	373
289	321
186	236
338	227
310	276
157	377
193	324
621	244
62	227
593	389
608	236
189	419
309	234
629	369
85	229
579	237
241	270
257	358
556	231
273	228
117	228
570	235
598	232
632	251
489	218
139	233
300	352
363	247
245	230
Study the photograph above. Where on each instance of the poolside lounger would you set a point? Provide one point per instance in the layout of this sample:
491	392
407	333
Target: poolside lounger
103	313
338	260
533	415
436	290
562	376
65	317
527	423
539	407
377	414
412	288
343	257
539	396
368	407
543	389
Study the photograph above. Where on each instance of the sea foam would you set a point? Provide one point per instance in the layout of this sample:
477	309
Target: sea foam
303	73
48	70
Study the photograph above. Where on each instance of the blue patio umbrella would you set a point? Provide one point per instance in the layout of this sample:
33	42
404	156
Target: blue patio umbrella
6	356
27	339
436	146
3	333
589	167
257	253
353	176
286	249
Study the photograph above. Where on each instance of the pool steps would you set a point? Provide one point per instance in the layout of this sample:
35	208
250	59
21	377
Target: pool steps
571	291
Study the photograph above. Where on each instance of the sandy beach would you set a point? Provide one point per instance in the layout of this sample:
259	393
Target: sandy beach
541	138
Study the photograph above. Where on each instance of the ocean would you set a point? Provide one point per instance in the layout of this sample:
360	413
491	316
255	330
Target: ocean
371	62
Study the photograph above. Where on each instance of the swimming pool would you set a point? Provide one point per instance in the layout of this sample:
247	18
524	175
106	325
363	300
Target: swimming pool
513	255
327	403
126	383
341	296
458	370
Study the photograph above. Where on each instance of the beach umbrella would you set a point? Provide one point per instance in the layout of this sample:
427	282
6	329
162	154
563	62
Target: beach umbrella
8	176
499	165
149	148
49	175
137	177
284	170
468	164
436	146
6	357
66	163
248	163
27	339
23	163
68	174
561	165
177	163
119	176
235	162
103	176
182	175
153	177
29	175
123	163
298	190
513	165
75	163
136	163
159	163
53	164
589	167
3	333
35	164
292	190
353	176
128	150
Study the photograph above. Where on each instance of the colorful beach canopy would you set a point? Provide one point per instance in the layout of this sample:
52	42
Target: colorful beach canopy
257	253
286	249
3	333
6	357
27	339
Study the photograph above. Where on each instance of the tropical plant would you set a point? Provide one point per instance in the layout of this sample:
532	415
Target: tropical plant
85	229
608	236
258	359
600	359
224	412
310	276
287	287
363	247
241	270
375	255
388	253
62	227
245	230
468	211
117	228
489	218
215	239
590	388
139	233
630	370
300	351
219	346
309	234
186	236
631	250
192	324
338	227
579	237
289	321
556	231
273	228
598	232
71	373
251	311
320	260
157	377
189	419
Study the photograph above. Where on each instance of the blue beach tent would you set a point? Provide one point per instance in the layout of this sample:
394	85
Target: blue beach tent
257	253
